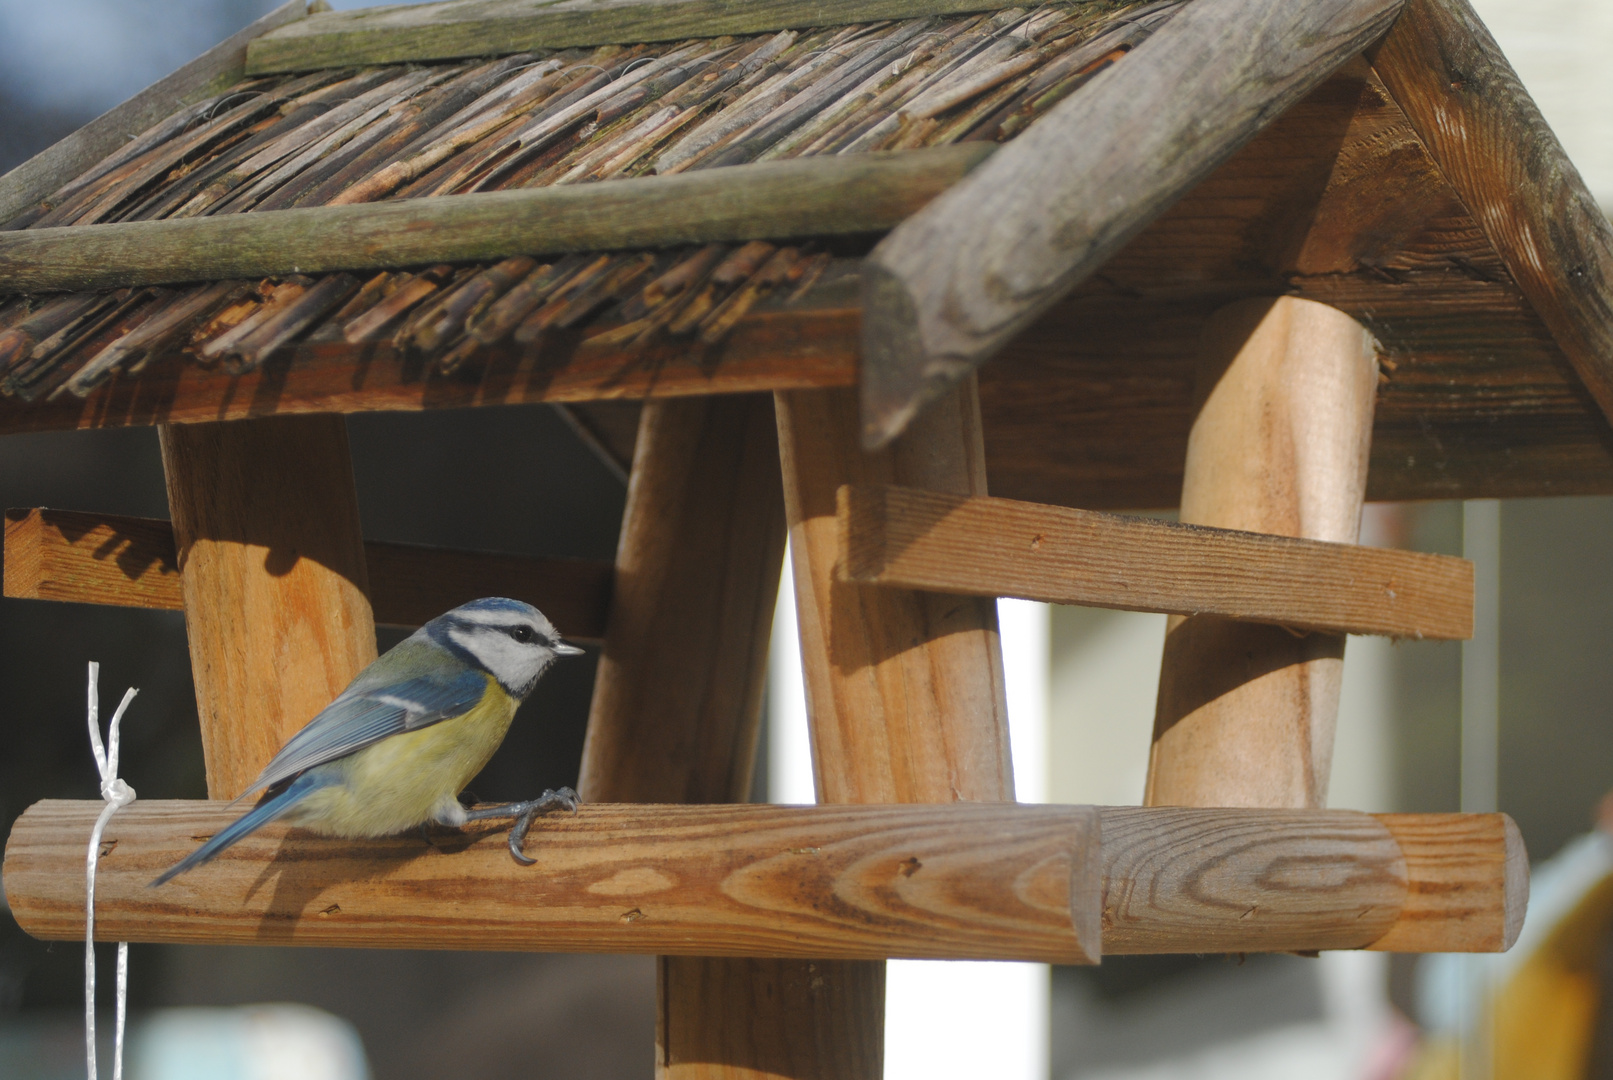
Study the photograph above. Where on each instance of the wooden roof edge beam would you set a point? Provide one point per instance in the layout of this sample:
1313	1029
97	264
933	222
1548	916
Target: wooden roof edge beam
443	31
801	197
1485	133
956	281
968	880
88	558
926	540
207	75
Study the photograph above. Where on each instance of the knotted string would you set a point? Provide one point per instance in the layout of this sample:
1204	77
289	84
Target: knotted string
117	795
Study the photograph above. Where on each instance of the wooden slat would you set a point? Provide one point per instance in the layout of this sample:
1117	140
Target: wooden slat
854	882
1495	149
271	561
998	547
954	283
476	28
742	880
131	562
803	197
70	159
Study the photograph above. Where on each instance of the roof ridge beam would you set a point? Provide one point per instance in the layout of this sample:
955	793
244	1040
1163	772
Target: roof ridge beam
799	197
954	283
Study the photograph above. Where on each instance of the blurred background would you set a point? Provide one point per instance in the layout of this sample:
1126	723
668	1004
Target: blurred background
1082	696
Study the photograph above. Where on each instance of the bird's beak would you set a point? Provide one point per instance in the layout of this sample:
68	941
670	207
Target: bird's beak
563	649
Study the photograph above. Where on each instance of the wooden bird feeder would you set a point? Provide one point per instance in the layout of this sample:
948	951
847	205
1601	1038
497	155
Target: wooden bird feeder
1257	259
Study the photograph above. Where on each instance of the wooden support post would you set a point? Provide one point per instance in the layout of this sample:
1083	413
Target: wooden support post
1246	712
271	561
904	689
677	701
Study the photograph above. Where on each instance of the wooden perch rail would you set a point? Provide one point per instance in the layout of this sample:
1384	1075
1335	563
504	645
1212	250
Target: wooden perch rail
131	562
816	196
954	283
446	30
998	547
944	881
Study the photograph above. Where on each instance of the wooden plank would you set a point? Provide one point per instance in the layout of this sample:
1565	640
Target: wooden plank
85	558
954	283
644	878
801	197
856	882
71	158
997	547
1468	882
1245	714
1490	141
390	35
271	560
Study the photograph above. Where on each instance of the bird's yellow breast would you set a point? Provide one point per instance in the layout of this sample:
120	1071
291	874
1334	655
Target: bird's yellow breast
394	785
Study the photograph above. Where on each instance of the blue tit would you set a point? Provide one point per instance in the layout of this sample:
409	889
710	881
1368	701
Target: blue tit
394	751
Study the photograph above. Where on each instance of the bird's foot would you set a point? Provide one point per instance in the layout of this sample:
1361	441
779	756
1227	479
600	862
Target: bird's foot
524	814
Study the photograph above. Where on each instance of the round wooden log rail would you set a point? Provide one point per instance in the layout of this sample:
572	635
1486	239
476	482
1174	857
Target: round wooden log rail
853	882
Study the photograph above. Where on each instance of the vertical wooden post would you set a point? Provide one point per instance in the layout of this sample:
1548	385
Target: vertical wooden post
271	561
1246	712
904	689
677	700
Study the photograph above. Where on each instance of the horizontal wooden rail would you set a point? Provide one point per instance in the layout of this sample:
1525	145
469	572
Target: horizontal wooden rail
131	562
998	547
802	197
956	881
475	28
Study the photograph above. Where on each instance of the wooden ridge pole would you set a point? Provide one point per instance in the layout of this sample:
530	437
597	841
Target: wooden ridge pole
1246	711
904	689
271	560
677	701
952	284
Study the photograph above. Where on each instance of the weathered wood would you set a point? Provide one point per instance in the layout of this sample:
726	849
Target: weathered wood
71	158
132	562
952	284
1246	712
816	196
271	560
852	882
474	28
1467	883
997	547
1490	141
994	882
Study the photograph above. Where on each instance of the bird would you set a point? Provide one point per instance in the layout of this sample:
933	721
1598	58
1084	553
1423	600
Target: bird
396	748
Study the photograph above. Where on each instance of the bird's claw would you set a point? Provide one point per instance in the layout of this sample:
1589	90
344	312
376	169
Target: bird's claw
525	813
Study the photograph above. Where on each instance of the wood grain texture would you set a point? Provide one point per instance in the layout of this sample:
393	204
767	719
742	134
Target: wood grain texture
1490	142
132	562
266	521
1468	880
477	28
999	547
904	688
848	882
1245	713
956	281
804	197
71	158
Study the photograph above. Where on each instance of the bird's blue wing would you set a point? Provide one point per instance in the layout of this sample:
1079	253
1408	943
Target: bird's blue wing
374	707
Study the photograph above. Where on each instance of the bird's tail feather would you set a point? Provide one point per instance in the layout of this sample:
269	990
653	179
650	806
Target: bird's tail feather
266	811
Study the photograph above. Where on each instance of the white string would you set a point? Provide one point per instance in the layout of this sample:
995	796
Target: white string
117	795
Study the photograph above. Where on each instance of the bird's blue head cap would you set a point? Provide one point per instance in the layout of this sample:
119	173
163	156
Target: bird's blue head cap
511	641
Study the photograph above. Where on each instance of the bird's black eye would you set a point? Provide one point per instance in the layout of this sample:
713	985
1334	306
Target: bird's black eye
523	634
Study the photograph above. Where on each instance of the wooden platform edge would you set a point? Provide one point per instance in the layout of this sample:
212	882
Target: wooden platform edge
798	197
981	881
213	71
89	558
1000	547
439	32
